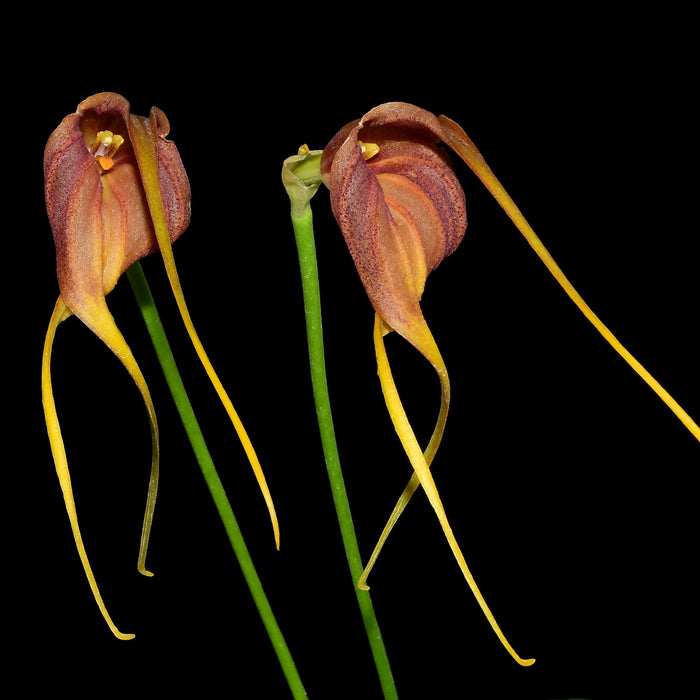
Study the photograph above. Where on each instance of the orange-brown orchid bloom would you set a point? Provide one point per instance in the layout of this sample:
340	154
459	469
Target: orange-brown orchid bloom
401	211
116	191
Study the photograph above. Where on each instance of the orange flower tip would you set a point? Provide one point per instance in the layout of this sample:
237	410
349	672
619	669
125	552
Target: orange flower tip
105	147
369	150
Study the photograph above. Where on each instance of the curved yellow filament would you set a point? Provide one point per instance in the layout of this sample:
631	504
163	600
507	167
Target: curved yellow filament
102	324
148	165
455	137
435	358
100	321
60	313
422	470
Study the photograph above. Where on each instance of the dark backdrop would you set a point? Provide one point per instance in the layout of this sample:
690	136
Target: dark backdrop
568	484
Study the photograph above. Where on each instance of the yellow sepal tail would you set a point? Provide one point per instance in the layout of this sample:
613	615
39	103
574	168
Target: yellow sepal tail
116	342
455	137
148	165
431	352
422	471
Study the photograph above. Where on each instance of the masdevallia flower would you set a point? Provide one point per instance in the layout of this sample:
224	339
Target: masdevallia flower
401	211
116	191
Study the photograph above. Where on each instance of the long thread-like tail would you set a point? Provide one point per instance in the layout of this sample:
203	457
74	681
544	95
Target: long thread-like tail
147	158
422	470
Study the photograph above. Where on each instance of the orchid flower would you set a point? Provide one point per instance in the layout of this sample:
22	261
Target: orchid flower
116	191
402	211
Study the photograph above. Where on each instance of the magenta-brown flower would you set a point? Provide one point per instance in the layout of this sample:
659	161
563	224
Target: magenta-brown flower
96	201
401	210
116	191
102	223
399	206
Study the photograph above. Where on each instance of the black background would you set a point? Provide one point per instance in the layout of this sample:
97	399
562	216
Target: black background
569	485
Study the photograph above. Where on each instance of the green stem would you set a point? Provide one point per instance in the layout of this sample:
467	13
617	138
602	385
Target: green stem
303	231
151	317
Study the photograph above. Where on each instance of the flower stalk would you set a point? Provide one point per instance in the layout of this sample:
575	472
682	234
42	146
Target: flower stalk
301	178
151	318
